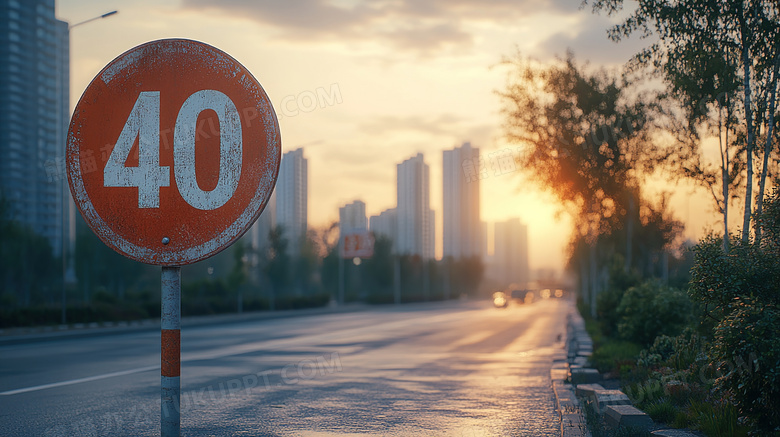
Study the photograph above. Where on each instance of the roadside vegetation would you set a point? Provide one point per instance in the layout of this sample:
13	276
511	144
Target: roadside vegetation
108	287
707	358
691	328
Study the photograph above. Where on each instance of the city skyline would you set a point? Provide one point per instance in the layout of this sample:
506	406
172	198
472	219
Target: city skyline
326	97
35	103
356	106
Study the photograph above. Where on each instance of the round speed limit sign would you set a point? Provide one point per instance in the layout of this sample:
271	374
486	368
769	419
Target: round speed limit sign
173	151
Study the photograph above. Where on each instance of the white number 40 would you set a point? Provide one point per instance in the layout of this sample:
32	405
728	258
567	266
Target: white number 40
144	124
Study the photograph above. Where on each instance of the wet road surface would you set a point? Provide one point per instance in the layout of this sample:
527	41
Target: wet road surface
455	369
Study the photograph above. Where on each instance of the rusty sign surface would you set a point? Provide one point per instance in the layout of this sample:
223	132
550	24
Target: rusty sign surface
173	152
357	244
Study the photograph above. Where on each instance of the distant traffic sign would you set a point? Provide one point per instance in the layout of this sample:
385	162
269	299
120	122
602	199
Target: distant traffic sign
357	245
173	151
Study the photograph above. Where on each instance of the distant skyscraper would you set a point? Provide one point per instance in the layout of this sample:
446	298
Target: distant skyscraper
386	223
414	217
34	115
258	233
462	227
352	217
511	252
292	195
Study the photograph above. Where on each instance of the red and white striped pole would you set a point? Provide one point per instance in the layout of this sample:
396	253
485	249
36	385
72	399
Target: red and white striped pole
170	366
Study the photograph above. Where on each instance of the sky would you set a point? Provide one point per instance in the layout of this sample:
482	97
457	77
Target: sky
364	84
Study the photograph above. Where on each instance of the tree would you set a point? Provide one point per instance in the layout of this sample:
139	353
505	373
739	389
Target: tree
586	138
735	39
27	265
277	265
379	268
306	263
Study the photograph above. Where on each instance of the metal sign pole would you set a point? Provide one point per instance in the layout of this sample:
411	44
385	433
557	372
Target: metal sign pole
341	269
397	279
170	365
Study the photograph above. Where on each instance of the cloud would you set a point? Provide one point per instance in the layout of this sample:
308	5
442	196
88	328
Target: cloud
431	133
442	125
417	26
589	41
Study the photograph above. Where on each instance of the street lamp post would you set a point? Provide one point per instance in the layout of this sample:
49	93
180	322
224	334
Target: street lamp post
66	240
106	15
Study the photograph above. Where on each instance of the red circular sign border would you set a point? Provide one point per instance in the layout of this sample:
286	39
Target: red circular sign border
224	238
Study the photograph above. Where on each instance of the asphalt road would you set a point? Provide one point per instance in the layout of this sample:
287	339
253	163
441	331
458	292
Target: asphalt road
457	369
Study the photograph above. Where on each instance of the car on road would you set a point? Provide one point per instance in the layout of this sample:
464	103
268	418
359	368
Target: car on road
500	300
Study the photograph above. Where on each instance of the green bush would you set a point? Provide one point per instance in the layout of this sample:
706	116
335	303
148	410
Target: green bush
607	303
659	352
739	286
662	410
651	309
678	353
747	351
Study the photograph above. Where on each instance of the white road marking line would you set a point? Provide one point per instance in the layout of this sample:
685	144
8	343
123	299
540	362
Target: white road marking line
78	381
227	352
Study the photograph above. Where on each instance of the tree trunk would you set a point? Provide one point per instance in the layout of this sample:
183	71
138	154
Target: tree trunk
629	233
725	162
746	82
584	292
768	145
594	280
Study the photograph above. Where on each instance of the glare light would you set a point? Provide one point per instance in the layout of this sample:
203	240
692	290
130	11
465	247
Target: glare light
356	260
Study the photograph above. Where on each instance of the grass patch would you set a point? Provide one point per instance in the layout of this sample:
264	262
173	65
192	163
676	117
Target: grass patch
662	410
717	419
614	354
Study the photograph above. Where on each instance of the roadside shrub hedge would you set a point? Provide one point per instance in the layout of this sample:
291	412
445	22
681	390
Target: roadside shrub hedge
739	287
651	309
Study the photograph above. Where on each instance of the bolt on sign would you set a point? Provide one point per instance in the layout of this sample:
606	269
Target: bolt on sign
173	151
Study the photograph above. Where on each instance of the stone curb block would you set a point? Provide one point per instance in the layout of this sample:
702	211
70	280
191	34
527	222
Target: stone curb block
585	376
586	390
627	416
573	422
603	398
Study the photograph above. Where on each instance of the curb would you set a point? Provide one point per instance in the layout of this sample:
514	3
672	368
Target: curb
576	342
582	384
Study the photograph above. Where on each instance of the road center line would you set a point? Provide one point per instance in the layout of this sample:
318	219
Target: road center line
78	381
226	352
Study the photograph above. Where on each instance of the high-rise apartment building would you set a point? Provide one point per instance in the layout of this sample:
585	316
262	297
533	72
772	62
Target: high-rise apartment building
385	224
292	195
462	229
511	252
414	217
352	217
34	114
